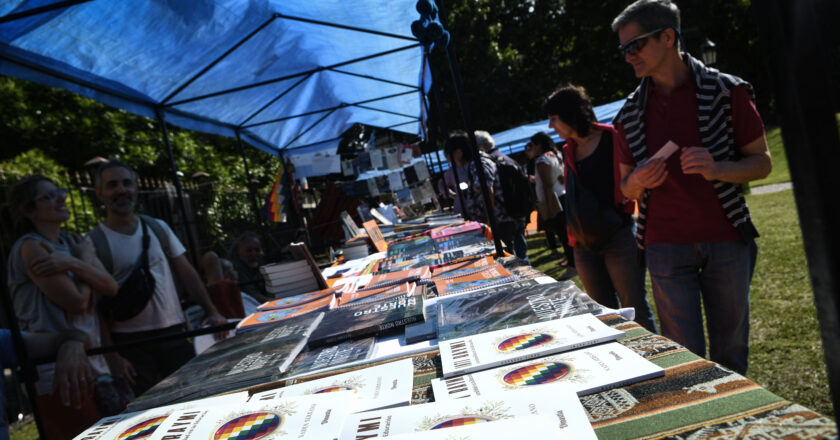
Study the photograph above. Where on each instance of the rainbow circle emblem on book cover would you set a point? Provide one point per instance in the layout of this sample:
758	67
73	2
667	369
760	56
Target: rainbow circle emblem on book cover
536	374
249	426
521	342
462	421
333	389
142	430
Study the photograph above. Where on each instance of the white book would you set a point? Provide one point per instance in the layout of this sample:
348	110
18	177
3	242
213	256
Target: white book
585	371
315	417
531	427
141	424
562	406
285	267
507	346
383	386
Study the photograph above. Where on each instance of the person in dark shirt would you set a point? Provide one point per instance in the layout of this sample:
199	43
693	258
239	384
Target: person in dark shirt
600	226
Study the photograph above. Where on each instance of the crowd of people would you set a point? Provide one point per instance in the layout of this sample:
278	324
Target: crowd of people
691	232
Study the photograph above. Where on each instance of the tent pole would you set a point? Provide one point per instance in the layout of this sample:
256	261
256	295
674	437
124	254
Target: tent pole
442	122
251	190
801	78
466	116
178	191
26	367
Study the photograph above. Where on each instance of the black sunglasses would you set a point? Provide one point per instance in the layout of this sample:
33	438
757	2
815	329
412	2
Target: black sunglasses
635	45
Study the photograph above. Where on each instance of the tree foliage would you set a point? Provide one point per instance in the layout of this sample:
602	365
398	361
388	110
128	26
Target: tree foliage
512	54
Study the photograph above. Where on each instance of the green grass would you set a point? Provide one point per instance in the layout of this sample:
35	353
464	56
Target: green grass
786	354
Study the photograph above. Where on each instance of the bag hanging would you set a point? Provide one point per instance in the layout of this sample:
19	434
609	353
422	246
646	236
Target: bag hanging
135	292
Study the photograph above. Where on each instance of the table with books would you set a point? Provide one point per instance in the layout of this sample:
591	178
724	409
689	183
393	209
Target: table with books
437	332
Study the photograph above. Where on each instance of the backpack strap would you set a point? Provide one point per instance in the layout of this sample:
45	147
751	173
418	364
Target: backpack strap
103	249
160	233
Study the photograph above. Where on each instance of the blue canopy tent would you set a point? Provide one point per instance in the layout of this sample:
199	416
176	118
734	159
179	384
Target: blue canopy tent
281	75
285	76
513	140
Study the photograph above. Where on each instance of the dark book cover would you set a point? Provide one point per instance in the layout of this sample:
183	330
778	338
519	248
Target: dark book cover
369	318
460	240
509	306
415	246
422	331
333	356
237	362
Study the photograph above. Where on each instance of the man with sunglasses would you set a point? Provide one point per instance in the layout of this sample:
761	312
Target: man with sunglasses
693	226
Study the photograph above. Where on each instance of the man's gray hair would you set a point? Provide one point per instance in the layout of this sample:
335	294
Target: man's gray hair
112	163
484	140
649	15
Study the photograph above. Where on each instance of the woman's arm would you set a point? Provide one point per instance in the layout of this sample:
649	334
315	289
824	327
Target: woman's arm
56	285
87	268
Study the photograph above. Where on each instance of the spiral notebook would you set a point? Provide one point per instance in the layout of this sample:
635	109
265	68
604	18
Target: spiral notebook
492	276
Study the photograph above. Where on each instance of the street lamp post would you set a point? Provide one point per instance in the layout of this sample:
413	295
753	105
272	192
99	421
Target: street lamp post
708	51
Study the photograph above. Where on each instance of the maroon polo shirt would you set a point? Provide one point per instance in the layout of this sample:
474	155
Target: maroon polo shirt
685	209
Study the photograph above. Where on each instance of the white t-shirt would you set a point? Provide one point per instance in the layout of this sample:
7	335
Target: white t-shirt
164	308
556	171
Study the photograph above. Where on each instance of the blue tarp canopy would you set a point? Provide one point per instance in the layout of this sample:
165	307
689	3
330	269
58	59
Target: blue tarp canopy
286	75
514	140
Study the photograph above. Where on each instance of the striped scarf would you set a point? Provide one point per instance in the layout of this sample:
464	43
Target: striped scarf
714	113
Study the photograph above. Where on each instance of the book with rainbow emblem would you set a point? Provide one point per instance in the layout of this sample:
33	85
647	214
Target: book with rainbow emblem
383	386
315	416
584	371
562	406
508	346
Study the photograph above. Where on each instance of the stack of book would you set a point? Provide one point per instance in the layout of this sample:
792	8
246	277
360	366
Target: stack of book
286	279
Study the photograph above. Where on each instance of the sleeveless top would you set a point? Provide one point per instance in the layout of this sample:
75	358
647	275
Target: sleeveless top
37	313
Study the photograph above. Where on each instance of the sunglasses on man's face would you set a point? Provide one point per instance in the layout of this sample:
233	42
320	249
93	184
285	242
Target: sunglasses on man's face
637	44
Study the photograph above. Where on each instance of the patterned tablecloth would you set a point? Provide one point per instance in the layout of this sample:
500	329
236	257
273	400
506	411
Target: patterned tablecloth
695	399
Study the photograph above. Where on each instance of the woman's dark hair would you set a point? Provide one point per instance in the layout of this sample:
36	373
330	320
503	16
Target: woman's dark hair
572	105
544	141
458	140
22	200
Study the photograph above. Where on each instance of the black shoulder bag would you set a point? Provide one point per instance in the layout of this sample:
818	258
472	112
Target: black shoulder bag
135	292
591	222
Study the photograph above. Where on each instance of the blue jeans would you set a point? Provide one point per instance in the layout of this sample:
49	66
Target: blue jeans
719	274
613	276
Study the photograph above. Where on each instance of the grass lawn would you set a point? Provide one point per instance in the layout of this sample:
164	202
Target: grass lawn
786	353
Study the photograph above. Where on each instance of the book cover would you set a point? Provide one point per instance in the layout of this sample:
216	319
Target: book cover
455	229
585	371
496	309
562	406
382	292
460	269
367	319
380	280
467	252
491	276
460	240
423	331
412	246
528	427
334	356
295	300
383	386
144	423
316	417
271	317
375	235
516	344
234	363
